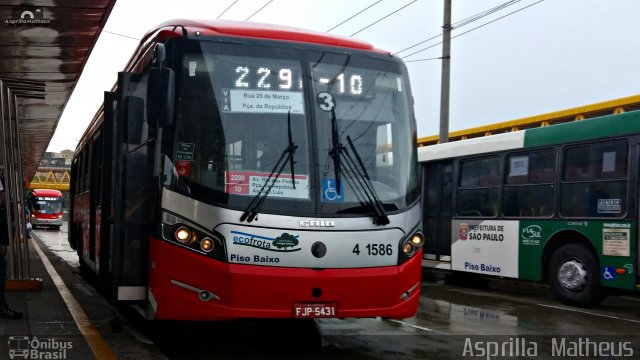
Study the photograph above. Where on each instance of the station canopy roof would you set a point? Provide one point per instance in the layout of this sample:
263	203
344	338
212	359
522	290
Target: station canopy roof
41	62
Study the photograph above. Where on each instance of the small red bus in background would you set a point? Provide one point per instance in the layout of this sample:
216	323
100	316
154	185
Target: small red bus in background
46	208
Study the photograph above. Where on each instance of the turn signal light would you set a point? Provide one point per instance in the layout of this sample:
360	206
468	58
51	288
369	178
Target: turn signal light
206	244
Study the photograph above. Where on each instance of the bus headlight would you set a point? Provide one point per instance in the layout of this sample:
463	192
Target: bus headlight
417	239
412	244
188	235
183	235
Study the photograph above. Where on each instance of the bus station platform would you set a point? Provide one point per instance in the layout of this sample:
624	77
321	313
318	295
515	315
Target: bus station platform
67	318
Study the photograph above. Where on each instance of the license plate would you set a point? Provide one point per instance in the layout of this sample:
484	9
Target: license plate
303	310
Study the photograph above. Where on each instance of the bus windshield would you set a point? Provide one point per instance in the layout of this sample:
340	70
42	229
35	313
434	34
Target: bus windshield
241	107
47	205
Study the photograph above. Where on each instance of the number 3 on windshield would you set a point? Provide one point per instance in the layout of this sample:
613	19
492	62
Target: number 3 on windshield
326	101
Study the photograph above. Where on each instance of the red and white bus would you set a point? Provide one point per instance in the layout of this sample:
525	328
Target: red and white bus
45	206
243	170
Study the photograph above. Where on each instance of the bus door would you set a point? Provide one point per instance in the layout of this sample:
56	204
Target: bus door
438	205
101	200
132	193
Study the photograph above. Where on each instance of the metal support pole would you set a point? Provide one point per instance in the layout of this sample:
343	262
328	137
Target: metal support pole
18	271
446	73
18	253
3	127
22	258
10	189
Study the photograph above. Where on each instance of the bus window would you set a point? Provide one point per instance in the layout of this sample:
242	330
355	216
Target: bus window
479	187
529	190
595	180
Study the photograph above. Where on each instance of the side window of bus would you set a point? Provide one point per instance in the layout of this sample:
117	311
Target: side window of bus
529	190
594	180
478	187
74	179
84	173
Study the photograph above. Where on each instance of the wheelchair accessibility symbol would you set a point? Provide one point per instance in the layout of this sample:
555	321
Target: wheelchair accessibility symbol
609	273
330	191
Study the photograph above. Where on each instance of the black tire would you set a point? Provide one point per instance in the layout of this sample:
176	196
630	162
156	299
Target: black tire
56	227
574	276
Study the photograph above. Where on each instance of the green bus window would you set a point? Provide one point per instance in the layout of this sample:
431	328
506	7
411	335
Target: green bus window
478	194
529	190
596	161
595	181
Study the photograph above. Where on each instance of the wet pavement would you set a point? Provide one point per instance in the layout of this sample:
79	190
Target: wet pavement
58	242
460	318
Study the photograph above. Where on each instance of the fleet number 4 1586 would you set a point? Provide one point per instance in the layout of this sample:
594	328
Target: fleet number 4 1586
374	249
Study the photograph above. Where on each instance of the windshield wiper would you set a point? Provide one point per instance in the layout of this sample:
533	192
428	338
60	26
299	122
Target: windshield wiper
251	212
360	176
336	149
364	181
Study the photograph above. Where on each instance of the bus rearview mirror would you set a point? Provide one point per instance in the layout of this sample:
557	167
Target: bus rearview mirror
161	96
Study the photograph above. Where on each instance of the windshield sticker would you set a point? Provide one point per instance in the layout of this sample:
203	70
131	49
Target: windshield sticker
326	101
185	151
330	191
249	183
263	102
183	167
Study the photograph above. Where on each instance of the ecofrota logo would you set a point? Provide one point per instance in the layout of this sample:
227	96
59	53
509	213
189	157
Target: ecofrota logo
25	347
283	243
27	15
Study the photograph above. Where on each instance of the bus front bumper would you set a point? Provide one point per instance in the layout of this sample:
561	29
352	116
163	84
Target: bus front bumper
185	285
46	222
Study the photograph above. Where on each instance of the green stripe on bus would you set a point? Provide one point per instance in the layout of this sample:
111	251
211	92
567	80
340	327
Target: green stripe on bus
601	127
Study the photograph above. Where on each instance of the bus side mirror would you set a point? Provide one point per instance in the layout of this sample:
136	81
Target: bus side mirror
161	96
159	54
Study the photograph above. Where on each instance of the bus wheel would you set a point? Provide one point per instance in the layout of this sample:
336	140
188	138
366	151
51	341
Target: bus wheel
573	276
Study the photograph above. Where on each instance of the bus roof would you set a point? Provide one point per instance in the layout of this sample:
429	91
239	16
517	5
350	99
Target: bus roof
595	128
173	28
46	192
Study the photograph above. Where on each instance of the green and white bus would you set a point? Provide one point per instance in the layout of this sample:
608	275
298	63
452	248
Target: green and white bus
556	203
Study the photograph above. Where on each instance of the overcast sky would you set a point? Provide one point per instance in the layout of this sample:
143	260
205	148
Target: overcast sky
549	56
